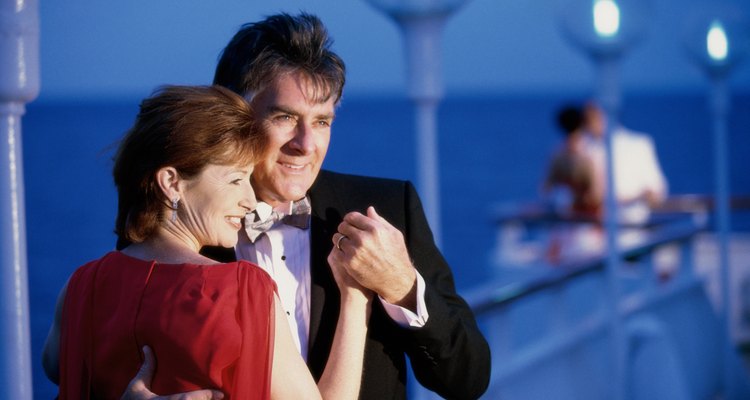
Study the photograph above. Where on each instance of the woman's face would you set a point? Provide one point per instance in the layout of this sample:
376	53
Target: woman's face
214	203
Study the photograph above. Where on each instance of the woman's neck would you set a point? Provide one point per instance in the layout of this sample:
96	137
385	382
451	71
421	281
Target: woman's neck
164	247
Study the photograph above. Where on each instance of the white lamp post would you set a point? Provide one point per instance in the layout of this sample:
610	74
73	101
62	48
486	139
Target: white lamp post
19	84
604	30
421	22
717	37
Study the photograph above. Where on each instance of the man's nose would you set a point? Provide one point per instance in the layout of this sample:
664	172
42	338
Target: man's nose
303	138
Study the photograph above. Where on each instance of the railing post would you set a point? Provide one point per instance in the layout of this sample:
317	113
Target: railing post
608	94
720	110
19	84
421	23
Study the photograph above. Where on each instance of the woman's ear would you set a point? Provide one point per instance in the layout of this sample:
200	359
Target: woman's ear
169	179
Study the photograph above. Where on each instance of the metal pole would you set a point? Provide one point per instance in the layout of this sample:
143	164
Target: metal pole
423	73
720	110
19	84
421	23
422	47
427	158
608	96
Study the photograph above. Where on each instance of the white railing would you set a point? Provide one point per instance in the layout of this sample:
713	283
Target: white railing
550	332
540	324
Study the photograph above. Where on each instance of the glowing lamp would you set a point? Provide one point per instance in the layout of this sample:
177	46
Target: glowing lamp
717	37
604	27
717	43
606	18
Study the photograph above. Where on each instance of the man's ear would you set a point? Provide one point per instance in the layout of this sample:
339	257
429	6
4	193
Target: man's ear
169	179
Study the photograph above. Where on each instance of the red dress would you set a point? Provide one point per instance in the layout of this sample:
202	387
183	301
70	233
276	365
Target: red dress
210	327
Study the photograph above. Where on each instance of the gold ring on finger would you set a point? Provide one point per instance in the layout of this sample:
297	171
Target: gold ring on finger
338	241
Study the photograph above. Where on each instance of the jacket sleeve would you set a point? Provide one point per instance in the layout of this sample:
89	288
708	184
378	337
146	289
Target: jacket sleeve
449	355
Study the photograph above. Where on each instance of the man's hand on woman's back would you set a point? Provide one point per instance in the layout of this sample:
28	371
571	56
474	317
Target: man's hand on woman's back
139	387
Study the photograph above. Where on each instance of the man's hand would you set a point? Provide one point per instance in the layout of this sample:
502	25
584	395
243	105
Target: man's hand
138	389
374	253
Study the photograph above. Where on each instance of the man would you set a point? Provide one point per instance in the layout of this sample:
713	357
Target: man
639	181
284	67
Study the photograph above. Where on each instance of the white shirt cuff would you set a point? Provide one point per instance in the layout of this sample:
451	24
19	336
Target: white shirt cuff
405	317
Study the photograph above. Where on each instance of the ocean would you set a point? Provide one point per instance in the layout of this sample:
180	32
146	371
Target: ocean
492	150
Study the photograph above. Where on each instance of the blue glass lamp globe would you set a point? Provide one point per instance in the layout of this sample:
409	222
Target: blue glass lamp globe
604	27
411	8
717	36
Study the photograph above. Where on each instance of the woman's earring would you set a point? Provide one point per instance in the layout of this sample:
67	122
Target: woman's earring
175	203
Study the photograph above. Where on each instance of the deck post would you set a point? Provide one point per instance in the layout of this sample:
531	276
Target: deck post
19	84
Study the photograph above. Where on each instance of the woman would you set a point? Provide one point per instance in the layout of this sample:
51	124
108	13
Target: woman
575	193
183	179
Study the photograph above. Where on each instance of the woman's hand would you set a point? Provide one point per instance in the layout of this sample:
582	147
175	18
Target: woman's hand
373	252
350	289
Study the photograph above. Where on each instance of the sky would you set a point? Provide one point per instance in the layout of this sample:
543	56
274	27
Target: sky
102	49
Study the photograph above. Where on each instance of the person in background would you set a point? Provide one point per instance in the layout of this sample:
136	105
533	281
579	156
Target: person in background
576	196
570	176
376	228
218	330
639	182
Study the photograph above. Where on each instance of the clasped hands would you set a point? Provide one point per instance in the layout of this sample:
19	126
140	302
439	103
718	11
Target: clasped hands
369	255
372	252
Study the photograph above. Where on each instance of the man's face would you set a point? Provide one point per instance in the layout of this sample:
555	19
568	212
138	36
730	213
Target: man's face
299	130
595	121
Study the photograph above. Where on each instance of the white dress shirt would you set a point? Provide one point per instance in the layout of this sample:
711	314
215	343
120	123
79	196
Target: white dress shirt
636	169
284	252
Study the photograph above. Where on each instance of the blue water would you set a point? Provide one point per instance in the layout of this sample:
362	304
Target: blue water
492	149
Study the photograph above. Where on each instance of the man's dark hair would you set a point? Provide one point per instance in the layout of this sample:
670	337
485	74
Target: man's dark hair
570	119
281	44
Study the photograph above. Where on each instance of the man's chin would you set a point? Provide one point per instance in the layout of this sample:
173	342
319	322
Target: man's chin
295	196
295	192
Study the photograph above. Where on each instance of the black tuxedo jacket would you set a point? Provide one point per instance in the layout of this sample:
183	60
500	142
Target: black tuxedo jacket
449	355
